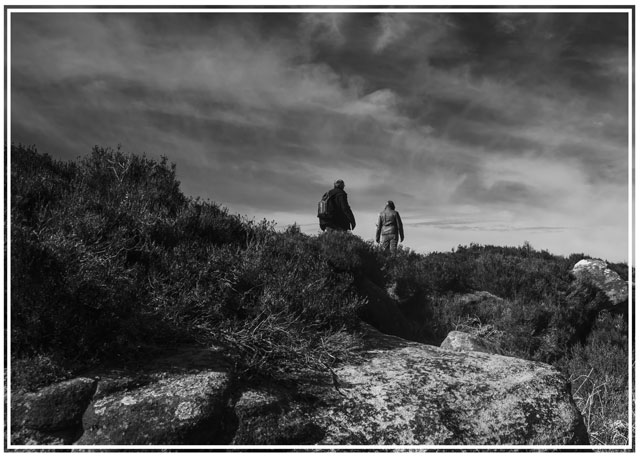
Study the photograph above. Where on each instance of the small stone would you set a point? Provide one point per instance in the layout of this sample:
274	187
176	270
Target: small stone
462	341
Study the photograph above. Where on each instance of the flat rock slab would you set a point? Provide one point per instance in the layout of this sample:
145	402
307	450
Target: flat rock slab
413	394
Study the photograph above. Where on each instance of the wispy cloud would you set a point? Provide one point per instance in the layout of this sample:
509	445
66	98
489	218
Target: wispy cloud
476	226
518	116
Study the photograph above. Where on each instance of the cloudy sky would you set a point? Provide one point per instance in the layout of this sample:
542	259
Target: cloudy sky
490	128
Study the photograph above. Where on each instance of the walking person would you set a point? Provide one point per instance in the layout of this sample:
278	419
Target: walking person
389	228
338	215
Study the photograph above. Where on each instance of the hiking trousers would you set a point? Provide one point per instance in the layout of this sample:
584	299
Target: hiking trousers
389	242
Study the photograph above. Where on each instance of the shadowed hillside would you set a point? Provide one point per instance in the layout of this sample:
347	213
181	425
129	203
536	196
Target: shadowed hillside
111	262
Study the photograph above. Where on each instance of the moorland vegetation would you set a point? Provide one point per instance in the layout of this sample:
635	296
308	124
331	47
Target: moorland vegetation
110	259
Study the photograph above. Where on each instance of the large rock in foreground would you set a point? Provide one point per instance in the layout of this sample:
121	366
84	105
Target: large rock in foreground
596	272
413	394
396	393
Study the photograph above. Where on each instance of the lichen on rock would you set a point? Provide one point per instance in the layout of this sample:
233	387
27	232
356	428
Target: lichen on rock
597	273
416	394
174	410
462	341
53	414
396	392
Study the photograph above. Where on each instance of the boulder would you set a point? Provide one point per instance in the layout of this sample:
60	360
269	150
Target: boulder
462	341
53	414
184	408
596	272
405	393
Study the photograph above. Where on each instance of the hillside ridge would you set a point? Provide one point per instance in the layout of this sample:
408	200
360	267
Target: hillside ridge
109	258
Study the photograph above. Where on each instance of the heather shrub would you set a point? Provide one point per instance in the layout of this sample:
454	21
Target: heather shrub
406	271
447	273
598	370
276	302
454	312
76	288
347	253
32	373
36	181
109	257
302	299
512	273
536	330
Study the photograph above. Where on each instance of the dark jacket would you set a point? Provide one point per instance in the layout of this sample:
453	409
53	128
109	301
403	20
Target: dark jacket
342	217
389	223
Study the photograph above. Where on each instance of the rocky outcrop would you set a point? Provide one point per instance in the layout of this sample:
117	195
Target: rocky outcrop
596	272
462	341
395	393
52	415
409	393
181	409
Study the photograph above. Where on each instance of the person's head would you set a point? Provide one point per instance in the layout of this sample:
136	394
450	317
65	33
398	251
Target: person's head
339	184
391	205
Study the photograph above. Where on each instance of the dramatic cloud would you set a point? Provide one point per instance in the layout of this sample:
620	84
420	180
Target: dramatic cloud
489	128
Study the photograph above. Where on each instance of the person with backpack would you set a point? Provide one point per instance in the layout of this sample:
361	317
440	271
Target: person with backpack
334	212
389	228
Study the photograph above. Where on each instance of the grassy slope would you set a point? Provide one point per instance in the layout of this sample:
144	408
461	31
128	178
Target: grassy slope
109	256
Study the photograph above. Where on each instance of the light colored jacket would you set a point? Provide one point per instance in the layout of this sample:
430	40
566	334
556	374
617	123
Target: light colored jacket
389	223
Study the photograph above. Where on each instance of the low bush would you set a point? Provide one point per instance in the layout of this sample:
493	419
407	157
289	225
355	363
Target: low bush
32	373
598	370
108	256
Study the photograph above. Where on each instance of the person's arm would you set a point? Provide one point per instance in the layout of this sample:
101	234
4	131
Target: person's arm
378	228
346	210
400	229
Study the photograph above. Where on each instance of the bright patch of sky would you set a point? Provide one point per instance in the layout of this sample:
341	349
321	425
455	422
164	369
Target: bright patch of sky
489	128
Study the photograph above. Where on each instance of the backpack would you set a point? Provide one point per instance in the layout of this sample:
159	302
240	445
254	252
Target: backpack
325	210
